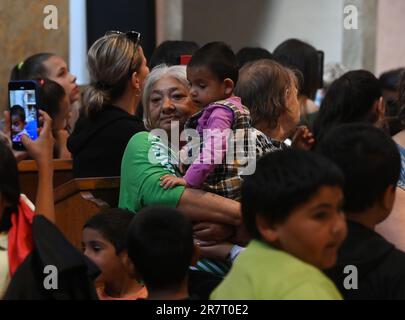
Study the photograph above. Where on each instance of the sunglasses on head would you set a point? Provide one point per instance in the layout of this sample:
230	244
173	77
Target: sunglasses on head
134	36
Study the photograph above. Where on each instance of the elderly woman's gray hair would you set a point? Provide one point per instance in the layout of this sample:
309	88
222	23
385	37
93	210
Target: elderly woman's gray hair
176	72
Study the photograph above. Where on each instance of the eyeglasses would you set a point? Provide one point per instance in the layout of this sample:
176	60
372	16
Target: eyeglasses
133	36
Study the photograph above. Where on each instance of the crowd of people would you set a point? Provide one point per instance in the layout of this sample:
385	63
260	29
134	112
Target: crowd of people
245	175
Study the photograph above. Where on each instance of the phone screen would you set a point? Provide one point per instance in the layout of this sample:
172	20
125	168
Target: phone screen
23	114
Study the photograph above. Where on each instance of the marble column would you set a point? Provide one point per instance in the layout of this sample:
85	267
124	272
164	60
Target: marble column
359	44
169	20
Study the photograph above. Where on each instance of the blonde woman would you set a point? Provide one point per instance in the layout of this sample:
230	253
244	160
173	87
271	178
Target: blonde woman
117	68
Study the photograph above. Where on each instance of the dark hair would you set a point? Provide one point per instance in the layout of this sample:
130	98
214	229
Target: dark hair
349	99
262	87
284	180
389	80
160	245
113	225
9	184
31	68
50	95
401	99
249	54
301	56
169	52
369	159
19	111
219	58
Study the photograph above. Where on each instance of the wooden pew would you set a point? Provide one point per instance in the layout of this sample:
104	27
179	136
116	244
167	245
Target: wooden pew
79	199
28	175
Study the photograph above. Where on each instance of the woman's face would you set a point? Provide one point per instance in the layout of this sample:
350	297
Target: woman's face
143	69
169	103
58	72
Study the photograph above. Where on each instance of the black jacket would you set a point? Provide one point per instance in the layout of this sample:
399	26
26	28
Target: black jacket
97	144
76	272
380	266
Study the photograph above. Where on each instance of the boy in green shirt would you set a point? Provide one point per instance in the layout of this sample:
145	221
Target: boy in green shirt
291	207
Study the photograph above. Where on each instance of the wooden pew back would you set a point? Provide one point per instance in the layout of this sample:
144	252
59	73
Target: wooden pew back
28	175
79	199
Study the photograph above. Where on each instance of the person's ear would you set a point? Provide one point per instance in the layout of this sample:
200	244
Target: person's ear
268	232
388	198
229	86
195	256
379	106
135	82
129	266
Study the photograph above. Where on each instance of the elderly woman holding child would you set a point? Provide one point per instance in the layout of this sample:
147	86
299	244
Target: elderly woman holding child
150	173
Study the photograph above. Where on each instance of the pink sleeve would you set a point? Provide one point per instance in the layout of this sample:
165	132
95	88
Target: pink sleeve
218	126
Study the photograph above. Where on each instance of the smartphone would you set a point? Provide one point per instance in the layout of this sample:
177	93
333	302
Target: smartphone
321	59
23	107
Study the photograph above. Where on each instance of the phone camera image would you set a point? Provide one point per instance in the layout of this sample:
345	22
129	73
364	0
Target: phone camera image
23	115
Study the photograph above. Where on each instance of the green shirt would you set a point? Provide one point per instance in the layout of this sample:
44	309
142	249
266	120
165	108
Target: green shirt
145	160
263	273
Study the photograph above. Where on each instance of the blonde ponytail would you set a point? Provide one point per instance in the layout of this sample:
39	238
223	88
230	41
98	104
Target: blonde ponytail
111	61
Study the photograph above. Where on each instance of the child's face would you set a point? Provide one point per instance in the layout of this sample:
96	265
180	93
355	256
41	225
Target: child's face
58	71
17	125
314	230
102	253
205	87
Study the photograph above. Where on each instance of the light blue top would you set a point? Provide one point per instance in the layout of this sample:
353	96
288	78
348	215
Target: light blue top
401	181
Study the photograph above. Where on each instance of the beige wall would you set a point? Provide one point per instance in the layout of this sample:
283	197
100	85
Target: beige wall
390	35
266	23
22	34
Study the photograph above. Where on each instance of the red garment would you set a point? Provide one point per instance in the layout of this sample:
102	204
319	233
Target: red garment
20	242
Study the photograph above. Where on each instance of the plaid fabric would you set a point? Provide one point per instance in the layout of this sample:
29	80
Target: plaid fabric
225	180
265	145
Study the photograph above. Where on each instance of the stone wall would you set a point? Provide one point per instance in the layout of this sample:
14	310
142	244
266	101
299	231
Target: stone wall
22	34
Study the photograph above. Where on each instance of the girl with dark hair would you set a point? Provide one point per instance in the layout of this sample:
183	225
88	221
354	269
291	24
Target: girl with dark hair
354	97
54	101
47	65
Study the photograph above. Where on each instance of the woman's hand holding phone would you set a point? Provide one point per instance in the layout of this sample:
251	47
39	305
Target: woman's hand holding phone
41	149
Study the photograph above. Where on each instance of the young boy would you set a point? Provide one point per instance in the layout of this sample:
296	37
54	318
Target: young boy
160	245
223	125
18	123
291	207
371	163
104	242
